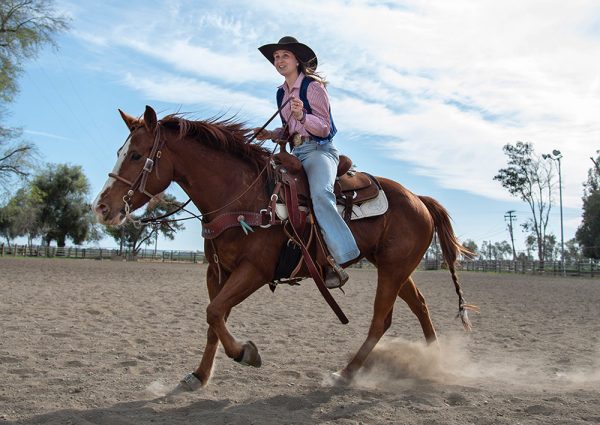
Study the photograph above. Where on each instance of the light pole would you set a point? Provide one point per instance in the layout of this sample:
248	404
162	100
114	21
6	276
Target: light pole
556	156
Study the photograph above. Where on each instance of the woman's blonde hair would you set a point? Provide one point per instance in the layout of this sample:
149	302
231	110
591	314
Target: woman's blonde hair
310	71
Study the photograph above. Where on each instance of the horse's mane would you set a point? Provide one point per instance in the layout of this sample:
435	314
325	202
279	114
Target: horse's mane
227	135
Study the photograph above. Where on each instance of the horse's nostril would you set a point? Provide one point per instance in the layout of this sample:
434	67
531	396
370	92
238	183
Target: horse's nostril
102	209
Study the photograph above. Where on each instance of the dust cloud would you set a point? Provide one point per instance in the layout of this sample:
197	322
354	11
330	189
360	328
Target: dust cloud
397	363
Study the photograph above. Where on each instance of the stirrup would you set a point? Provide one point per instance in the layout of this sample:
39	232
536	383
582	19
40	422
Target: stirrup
336	276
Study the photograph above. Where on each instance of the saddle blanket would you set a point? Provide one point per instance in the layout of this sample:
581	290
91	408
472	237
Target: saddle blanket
374	207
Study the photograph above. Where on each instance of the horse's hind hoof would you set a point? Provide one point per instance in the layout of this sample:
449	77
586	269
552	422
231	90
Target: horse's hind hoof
250	355
190	382
337	379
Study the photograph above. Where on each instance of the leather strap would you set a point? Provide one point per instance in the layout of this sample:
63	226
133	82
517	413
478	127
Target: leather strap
291	200
314	273
211	230
348	203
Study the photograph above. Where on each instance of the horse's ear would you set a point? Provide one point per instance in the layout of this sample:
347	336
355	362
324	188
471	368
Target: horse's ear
130	121
150	119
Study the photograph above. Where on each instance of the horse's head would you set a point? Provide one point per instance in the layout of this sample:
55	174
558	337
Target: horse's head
132	183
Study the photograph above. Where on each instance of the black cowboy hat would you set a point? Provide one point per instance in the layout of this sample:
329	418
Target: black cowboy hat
302	52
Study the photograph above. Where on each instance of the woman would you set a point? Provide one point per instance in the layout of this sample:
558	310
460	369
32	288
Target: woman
307	118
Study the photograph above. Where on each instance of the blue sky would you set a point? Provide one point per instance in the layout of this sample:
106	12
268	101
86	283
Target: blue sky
423	92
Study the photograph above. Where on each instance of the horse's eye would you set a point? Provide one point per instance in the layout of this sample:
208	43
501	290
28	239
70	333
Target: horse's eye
135	156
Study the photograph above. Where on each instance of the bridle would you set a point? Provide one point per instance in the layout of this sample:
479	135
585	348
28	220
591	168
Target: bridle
139	184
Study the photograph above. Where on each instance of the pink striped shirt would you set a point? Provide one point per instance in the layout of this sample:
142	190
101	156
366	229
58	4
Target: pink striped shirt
317	123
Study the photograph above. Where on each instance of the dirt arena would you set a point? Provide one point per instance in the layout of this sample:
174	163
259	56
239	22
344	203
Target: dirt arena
101	342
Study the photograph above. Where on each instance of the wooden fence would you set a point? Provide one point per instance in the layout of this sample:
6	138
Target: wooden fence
587	268
100	253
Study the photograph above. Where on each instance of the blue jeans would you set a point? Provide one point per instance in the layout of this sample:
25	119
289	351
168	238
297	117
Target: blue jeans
320	164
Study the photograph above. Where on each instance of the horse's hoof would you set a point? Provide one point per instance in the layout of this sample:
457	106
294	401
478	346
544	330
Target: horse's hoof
339	380
250	355
190	382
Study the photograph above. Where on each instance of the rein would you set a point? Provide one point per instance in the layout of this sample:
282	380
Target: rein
264	168
139	184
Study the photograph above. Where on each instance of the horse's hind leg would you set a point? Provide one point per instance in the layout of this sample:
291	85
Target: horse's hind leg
388	286
415	300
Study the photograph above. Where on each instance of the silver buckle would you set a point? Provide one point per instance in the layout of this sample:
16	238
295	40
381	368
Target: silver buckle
265	211
148	165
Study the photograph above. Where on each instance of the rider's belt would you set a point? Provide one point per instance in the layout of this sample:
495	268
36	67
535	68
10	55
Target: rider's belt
298	140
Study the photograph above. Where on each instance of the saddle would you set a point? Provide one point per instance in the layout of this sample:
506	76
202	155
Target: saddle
350	187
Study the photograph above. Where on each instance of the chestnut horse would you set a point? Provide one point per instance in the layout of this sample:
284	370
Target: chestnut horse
222	170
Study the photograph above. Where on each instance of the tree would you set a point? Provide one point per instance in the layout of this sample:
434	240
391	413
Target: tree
495	250
588	233
503	250
529	178
551	251
65	211
25	27
16	157
133	234
20	216
471	246
573	251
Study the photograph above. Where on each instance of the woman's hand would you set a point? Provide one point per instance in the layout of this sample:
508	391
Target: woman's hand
297	108
263	135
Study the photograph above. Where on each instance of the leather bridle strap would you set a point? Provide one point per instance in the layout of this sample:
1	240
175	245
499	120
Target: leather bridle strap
130	184
153	158
140	181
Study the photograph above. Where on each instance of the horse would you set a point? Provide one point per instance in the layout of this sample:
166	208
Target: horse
222	169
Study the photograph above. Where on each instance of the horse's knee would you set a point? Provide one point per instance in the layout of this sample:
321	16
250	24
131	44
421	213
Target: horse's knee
213	315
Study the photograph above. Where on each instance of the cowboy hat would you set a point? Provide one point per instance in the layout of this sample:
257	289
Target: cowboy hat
302	52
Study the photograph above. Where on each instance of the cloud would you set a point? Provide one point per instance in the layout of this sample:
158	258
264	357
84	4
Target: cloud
188	91
44	134
442	85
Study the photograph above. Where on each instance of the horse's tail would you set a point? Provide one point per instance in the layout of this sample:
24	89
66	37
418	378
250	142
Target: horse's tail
451	249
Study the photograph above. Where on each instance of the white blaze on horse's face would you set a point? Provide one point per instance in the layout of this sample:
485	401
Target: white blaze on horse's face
106	213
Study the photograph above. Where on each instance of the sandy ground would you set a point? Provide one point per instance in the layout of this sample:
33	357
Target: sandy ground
101	342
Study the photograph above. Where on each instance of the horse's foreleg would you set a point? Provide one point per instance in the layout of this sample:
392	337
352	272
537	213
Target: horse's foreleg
242	282
203	372
387	291
415	300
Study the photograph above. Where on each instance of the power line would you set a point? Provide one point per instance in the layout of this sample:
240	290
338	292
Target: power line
73	115
89	115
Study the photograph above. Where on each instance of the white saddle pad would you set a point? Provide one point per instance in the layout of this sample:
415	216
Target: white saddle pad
374	207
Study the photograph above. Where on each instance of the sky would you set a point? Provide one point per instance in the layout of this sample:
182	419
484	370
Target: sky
423	92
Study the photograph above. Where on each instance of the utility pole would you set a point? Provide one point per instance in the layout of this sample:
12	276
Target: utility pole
509	215
556	155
